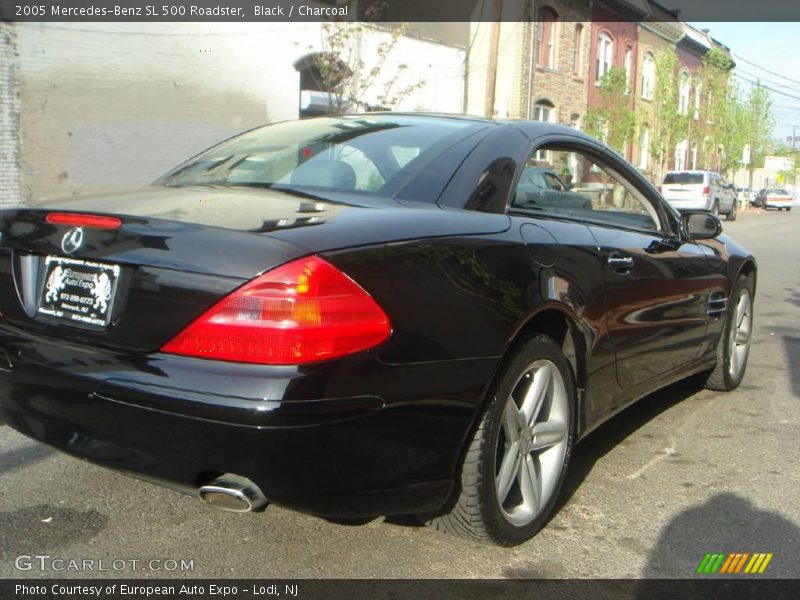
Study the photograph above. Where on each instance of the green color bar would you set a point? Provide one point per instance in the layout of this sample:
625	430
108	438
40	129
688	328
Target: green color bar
704	564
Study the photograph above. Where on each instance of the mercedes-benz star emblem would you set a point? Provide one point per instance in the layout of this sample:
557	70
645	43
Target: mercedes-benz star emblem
72	240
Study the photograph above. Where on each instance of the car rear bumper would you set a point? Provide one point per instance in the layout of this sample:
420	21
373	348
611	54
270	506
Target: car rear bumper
353	439
777	203
690	204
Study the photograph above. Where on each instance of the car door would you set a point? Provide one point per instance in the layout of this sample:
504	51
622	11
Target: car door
656	284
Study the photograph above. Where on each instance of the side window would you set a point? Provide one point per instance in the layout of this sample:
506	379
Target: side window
595	192
553	183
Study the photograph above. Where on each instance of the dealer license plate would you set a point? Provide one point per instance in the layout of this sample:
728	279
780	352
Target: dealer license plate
77	290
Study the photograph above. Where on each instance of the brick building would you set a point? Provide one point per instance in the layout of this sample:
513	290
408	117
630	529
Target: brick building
654	37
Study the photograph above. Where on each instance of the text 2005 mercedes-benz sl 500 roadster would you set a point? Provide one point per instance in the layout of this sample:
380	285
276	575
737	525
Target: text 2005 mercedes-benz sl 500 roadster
365	315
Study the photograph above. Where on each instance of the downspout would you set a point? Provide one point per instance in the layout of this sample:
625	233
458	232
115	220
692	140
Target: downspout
531	58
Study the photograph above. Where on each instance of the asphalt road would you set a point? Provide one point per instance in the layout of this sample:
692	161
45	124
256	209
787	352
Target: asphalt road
682	473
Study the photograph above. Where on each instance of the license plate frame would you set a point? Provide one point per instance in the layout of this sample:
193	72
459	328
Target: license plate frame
77	291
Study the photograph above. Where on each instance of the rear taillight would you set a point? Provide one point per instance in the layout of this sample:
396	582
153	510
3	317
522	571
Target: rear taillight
304	311
661	189
706	191
82	220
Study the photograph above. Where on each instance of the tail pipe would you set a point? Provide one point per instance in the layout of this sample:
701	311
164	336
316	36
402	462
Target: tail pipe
233	493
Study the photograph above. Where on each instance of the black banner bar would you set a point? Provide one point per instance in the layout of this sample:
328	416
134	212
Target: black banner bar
438	589
381	10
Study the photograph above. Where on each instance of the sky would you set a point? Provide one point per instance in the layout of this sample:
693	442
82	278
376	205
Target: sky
771	46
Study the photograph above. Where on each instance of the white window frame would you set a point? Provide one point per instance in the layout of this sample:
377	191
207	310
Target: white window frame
542	111
648	76
698	98
577	40
680	155
628	69
605	55
644	148
684	91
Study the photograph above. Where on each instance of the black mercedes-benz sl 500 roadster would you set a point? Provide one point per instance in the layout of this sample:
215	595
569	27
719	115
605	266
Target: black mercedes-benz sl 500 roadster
365	315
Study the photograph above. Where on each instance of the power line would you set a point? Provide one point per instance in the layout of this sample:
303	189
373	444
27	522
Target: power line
770	81
737	57
766	87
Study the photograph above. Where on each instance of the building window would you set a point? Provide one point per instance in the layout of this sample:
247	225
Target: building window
628	68
605	49
680	156
543	111
547	34
576	50
644	148
709	108
684	91
648	76
698	96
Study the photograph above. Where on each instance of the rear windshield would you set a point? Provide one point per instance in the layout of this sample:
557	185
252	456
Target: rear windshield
778	192
683	178
344	154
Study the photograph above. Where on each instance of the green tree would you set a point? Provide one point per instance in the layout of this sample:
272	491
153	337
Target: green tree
719	129
668	124
758	125
614	121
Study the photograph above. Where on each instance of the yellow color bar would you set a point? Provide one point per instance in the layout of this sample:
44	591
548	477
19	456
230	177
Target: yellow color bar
764	564
755	562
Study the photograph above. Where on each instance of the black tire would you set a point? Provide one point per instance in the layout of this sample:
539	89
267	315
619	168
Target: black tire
731	216
721	378
475	513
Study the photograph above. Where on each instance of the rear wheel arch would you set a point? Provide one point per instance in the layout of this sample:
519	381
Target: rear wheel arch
559	324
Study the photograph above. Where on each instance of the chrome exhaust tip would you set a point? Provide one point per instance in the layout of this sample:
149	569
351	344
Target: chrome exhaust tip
233	493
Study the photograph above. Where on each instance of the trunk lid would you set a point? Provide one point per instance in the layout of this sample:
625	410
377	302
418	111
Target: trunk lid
180	250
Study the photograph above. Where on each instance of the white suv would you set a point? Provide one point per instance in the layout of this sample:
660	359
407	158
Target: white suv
699	190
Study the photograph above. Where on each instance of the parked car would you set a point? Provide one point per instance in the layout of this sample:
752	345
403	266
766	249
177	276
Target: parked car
774	198
544	188
363	315
699	190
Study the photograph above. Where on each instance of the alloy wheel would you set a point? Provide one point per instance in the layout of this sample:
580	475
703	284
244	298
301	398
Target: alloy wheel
740	334
532	443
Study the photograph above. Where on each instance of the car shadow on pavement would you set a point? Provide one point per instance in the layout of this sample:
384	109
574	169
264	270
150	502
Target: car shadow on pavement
792	347
725	523
611	433
21	457
45	527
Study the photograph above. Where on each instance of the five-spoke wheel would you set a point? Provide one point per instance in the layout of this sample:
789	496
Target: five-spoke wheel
515	465
532	442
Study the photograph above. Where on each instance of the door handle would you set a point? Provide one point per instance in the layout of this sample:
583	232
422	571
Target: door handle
622	265
620	262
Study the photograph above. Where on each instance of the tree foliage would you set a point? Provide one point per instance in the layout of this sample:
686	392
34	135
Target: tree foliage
614	121
669	125
356	73
757	124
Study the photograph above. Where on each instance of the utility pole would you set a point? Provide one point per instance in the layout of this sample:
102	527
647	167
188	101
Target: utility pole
494	47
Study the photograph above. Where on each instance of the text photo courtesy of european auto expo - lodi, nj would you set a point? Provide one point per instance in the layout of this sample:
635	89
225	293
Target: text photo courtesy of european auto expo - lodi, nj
463	299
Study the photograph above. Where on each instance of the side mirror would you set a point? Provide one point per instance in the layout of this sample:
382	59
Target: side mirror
568	187
701	225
